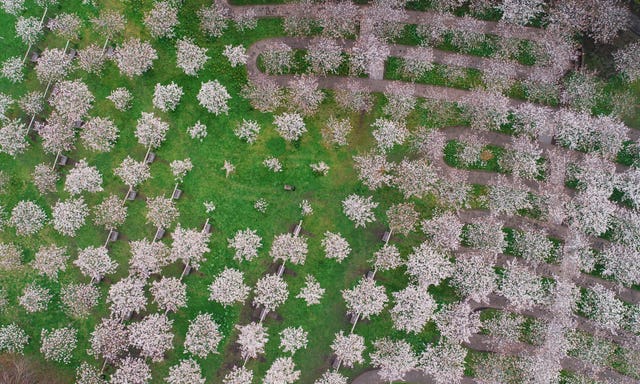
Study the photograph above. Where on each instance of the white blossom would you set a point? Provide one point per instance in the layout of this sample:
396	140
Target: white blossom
389	133
12	69
627	61
237	55
324	55
263	93
12	138
13	339
348	348
83	177
393	358
147	257
169	293
311	292
28	29
252	338
474	276
94	262
151	131
271	291
153	336
132	370
248	131
10	256
374	170
273	164
281	371
359	209
277	58
58	344
99	134
35	298
189	246
428	266
290	126
213	20
79	299
238	375
167	97
413	308
190	57
109	340
186	372
304	95
365	299
203	336
213	96
110	213
246	244
69	215
121	98
293	339
228	287
126	297
132	172
320	168
198	131
444	362
287	247
134	57
49	260
27	218
180	168
162	19
457	322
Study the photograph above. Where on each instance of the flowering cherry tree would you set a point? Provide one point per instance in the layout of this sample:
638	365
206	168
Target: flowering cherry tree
290	126
109	24
293	339
151	131
252	338
444	230
99	134
203	336
109	340
190	57
311	292
95	263
324	55
354	97
152	335
185	372
348	349
413	308
238	375
458	322
282	371
35	298
237	55
132	172
393	358
161	211
162	19
49	260
126	297
389	133
335	246
365	299
213	20
229	288
444	362
110	213
121	98
13	339
374	170
522	288
189	246
475	277
214	97
277	58
359	209
27	218
132	370
169	293
167	97
246	244
134	57
263	93
304	95
287	247
428	266
147	257
82	178
69	215
248	131
78	300
53	64
58	344
271	291
12	139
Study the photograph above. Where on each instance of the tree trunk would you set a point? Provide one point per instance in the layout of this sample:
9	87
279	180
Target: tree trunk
104	47
24	59
55	160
